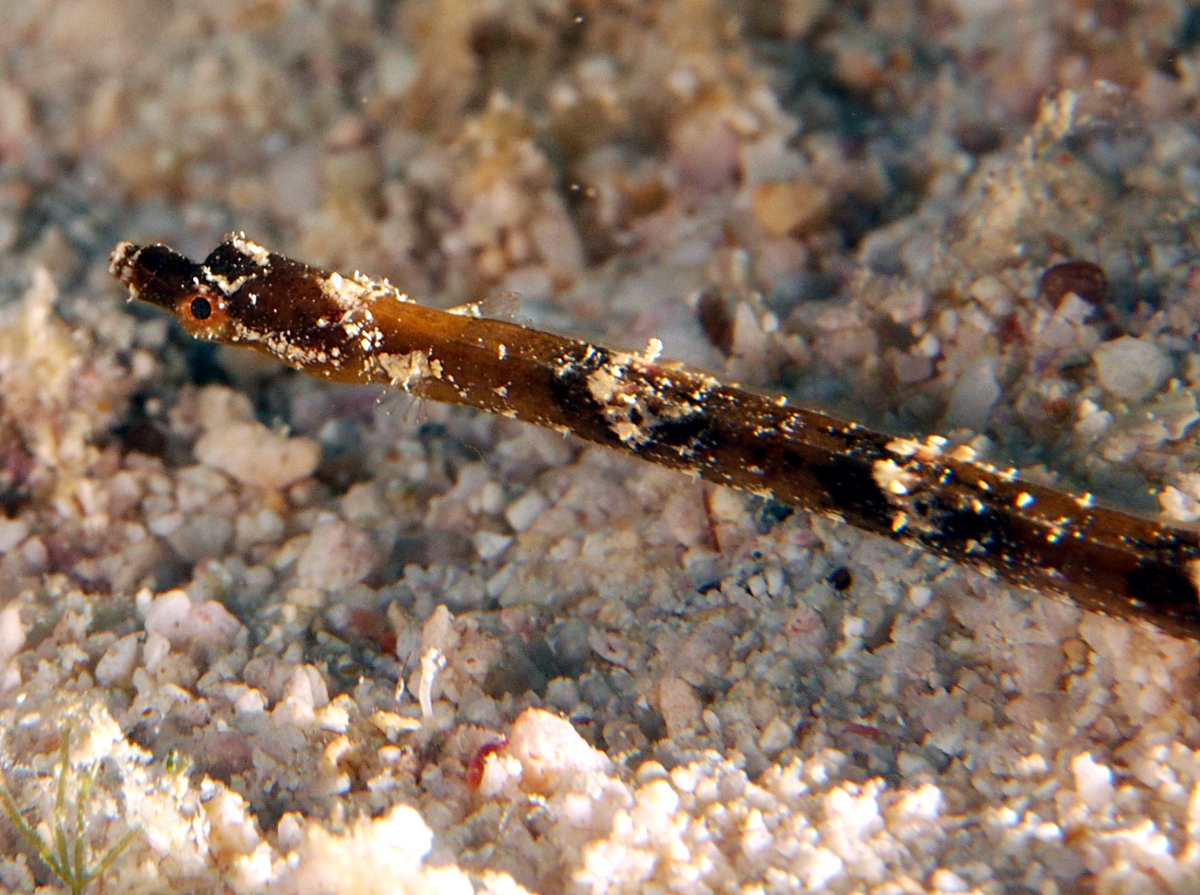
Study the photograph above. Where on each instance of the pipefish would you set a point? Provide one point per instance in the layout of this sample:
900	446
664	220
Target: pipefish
356	329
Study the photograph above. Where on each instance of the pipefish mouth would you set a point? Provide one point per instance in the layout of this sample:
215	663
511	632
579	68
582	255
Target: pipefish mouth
357	329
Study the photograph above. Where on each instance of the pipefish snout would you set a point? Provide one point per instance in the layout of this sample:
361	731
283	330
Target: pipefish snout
356	329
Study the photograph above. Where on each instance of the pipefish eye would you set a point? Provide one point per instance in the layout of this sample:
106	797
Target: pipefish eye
201	308
202	314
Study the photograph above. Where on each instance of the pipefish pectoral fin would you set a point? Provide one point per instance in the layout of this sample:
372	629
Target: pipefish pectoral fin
504	306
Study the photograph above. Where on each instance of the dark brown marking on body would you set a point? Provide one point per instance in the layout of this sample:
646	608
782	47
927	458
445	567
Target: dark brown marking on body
1173	591
853	493
692	432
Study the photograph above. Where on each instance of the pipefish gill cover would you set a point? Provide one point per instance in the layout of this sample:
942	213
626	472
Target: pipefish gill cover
356	329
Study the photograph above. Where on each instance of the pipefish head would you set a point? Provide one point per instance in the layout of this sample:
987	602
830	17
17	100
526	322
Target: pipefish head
244	294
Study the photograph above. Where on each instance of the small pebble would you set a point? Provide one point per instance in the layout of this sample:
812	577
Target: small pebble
168	617
254	455
948	881
489	545
679	705
362	504
522	511
1093	782
1083	278
562	693
973	397
264	526
338	555
1131	369
201	535
35	554
551	752
794	207
12	533
115	668
252	702
777	736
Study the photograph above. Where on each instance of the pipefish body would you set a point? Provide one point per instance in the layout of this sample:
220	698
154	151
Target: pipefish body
356	329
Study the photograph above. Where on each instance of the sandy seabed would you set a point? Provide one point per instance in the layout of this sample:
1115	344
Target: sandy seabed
317	639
